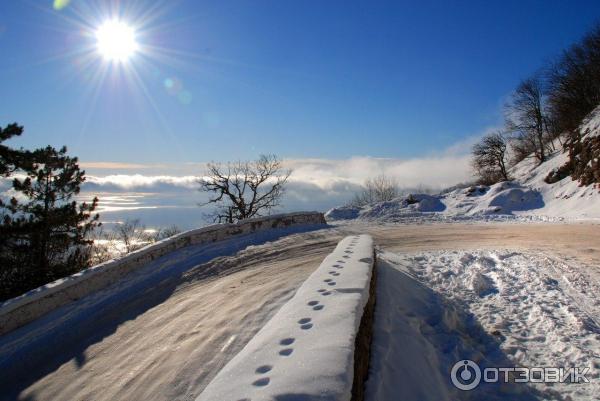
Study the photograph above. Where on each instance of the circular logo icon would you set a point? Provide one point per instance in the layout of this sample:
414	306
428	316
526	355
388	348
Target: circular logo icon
465	375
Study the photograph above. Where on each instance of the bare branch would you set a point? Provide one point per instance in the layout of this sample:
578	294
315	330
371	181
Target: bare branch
489	158
245	189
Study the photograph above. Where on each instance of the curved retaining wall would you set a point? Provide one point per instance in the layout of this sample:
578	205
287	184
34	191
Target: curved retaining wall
21	310
309	349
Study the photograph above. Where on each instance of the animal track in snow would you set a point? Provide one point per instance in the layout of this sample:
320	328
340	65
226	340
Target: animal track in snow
262	382
263	369
287	341
315	305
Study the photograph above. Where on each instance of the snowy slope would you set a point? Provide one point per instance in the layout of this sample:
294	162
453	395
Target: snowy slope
526	197
564	198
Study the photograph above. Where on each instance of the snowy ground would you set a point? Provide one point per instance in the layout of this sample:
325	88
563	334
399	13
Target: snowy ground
527	197
498	308
305	352
166	337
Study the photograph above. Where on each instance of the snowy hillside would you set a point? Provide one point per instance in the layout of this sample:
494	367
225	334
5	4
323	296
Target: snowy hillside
528	196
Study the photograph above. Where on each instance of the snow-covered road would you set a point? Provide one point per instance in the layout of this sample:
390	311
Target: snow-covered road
169	337
165	339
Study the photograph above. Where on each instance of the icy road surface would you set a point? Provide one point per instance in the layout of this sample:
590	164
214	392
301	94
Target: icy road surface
165	336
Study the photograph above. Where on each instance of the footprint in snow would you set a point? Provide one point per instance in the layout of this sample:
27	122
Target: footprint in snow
262	382
287	341
263	369
286	352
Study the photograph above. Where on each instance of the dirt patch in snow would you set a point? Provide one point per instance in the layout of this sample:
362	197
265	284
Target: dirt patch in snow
569	241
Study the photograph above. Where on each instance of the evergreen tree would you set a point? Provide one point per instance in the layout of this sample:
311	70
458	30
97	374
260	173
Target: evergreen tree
11	159
44	234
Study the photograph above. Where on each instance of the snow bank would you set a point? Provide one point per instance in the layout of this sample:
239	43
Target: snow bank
35	303
306	351
343	213
500	308
502	199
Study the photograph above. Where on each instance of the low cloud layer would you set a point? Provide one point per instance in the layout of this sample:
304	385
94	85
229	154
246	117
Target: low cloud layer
433	172
171	195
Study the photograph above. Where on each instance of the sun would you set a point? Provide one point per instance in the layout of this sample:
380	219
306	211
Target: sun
115	41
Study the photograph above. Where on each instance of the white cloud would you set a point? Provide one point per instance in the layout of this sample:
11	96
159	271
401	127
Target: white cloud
171	193
140	183
316	184
325	174
431	171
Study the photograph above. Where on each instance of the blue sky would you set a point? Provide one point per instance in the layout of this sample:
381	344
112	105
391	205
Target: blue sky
303	79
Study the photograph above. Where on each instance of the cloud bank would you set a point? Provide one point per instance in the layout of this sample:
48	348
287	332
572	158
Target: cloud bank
436	172
163	195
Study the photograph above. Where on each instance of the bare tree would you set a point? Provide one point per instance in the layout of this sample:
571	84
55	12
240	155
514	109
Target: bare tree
574	82
527	118
124	238
489	158
378	189
132	234
242	190
166	232
102	248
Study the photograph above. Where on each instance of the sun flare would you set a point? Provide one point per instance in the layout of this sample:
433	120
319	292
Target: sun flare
116	41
